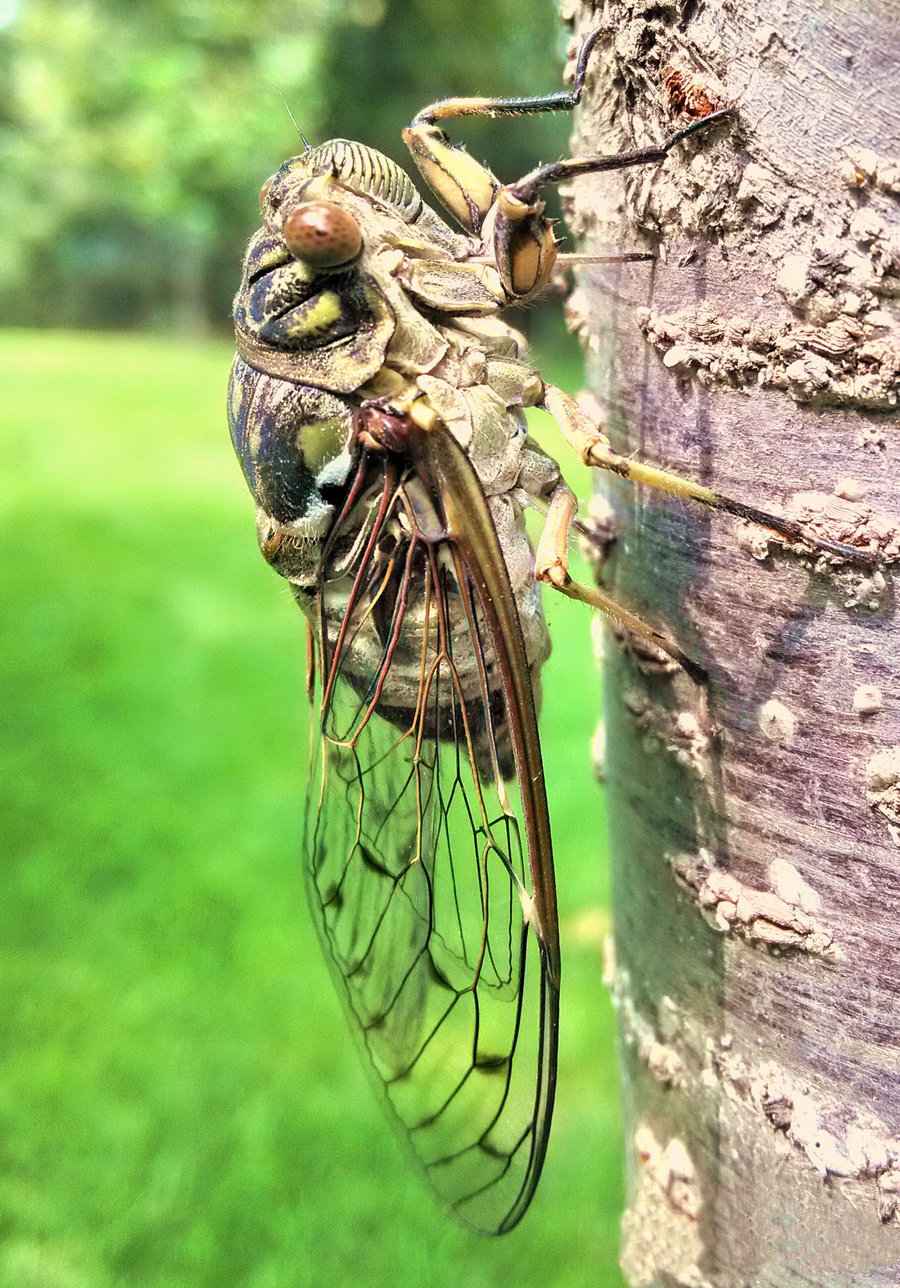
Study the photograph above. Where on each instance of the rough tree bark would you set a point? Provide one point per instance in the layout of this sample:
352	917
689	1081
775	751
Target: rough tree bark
755	825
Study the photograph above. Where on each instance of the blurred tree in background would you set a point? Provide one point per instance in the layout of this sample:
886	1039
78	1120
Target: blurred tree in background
136	135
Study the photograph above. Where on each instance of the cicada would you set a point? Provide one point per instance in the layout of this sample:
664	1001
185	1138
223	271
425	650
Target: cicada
377	407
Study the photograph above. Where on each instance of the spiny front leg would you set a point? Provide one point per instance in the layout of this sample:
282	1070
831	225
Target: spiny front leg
514	229
466	188
594	448
510	217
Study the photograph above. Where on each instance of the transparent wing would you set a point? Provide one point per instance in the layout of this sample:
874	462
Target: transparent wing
419	849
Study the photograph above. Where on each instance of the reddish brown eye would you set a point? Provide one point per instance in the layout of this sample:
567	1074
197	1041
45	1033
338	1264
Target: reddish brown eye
264	193
322	234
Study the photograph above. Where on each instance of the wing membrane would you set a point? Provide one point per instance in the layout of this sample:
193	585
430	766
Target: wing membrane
421	850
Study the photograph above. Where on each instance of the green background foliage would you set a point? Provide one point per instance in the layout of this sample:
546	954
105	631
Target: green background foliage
180	1101
135	136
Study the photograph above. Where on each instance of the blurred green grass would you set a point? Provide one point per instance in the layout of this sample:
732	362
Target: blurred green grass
180	1101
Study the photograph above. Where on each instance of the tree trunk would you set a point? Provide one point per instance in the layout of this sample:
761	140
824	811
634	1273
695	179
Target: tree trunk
755	821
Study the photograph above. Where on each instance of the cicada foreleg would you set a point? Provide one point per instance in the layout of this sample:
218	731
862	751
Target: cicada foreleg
511	216
465	187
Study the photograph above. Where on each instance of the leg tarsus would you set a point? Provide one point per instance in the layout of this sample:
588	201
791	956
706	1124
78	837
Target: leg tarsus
527	188
559	100
629	621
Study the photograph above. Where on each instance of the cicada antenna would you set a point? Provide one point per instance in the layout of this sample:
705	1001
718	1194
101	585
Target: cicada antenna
287	107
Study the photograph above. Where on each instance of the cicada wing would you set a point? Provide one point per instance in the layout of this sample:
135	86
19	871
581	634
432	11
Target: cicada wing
417	854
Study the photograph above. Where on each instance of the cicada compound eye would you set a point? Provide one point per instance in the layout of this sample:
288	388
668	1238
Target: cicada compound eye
322	234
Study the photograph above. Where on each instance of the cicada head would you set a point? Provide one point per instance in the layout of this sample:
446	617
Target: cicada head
309	308
317	304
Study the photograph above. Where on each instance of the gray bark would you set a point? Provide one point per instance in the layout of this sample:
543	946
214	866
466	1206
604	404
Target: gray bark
755	825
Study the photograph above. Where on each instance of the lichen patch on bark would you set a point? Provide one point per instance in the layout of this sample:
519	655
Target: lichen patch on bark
680	733
659	1229
778	918
777	722
653	1044
837	1142
864	168
844	361
867	700
883	788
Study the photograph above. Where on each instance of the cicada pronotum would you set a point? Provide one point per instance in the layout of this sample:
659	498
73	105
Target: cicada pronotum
377	408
